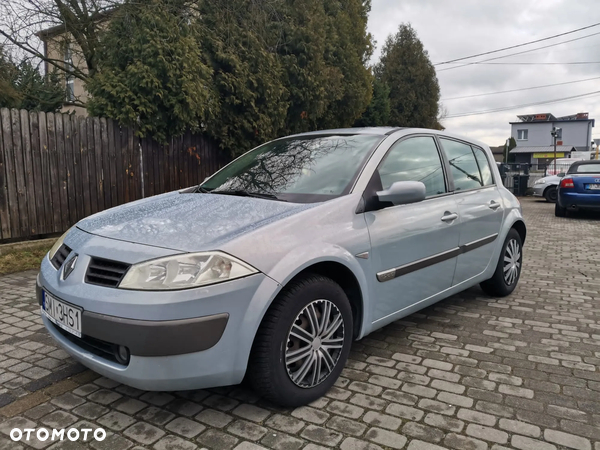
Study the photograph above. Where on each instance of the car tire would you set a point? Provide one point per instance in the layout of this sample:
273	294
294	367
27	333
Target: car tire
550	194
274	369
504	280
559	211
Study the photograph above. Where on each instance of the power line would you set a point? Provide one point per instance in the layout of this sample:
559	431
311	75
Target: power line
521	89
508	108
518	45
519	53
535	63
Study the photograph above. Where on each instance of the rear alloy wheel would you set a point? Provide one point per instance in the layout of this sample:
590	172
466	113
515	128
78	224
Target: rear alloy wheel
550	194
559	211
303	342
508	269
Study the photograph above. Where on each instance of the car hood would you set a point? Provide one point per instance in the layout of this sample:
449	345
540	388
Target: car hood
188	221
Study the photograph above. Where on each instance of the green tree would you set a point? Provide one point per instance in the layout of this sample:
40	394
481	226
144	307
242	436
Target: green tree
151	72
238	39
414	90
349	49
9	96
37	92
22	86
378	111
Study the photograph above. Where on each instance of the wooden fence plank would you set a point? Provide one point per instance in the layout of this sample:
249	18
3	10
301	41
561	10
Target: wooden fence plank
45	182
53	168
40	209
5	228
100	175
11	175
120	164
135	181
62	170
20	172
70	171
86	182
112	168
28	169
106	184
77	169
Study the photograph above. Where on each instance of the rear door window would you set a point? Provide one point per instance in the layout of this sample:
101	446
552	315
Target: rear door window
463	165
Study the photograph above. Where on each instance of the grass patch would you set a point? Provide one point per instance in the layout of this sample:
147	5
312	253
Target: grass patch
26	259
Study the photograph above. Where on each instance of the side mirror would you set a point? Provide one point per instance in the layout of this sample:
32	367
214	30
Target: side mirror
403	192
562	174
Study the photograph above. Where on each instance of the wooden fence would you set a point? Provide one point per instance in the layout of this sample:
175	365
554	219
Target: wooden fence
56	169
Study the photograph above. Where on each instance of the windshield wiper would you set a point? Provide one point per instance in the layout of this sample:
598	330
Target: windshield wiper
202	190
242	193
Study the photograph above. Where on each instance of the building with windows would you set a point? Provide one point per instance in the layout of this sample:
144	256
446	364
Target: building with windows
535	144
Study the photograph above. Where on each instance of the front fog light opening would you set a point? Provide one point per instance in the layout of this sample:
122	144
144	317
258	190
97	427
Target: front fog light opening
122	354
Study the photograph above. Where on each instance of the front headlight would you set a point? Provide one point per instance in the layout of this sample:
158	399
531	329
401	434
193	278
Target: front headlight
185	271
540	181
57	245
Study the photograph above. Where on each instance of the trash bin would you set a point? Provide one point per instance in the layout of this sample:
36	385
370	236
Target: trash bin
520	185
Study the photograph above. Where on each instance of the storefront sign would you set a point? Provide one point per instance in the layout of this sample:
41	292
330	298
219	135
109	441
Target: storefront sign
548	155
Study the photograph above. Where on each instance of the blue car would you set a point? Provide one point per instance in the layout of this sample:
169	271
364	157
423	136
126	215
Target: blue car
579	189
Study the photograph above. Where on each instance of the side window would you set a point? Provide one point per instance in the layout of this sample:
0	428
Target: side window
414	159
484	166
464	168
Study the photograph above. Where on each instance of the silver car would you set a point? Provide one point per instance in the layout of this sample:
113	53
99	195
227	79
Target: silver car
274	265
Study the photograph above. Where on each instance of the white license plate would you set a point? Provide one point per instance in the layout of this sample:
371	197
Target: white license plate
594	186
63	315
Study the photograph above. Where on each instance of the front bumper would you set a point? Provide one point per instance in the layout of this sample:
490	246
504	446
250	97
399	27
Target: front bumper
179	340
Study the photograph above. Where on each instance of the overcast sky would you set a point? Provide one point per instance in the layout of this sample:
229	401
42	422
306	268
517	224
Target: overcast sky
457	28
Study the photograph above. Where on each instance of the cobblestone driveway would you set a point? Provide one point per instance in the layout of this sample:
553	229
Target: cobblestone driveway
472	372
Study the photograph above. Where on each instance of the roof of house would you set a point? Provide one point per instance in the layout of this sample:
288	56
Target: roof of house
543	149
549	118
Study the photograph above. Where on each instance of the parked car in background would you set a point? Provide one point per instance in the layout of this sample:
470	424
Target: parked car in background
547	186
276	263
579	188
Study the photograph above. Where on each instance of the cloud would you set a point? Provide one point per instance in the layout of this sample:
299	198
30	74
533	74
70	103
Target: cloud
457	28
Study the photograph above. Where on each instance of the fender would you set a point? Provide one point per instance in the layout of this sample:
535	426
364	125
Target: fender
287	268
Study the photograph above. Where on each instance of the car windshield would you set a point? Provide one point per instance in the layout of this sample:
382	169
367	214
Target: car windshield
300	169
586	168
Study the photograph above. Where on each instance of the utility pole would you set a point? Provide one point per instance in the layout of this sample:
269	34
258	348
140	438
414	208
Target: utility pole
506	145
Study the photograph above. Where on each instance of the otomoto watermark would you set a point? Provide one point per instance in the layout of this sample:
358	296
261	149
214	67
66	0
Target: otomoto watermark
45	434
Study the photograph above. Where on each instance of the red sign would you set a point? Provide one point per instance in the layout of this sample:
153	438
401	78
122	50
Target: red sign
559	143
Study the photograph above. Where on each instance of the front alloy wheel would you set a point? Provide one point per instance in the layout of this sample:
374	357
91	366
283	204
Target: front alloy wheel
314	343
303	342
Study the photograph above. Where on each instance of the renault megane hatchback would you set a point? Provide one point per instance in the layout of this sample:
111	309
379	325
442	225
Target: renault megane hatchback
275	264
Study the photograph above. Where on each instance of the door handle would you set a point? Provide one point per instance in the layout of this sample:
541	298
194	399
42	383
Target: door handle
449	217
493	205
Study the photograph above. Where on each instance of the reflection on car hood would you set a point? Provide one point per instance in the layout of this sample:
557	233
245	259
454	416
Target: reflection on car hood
187	222
552	179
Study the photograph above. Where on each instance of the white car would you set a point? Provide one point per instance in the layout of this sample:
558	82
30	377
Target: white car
547	187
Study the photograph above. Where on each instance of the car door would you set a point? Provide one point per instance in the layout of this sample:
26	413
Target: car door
413	246
479	206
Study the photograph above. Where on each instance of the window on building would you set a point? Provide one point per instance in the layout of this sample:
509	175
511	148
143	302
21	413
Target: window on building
414	159
69	80
522	135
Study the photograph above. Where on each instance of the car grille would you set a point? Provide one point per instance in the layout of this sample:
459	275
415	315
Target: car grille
59	257
98	347
104	272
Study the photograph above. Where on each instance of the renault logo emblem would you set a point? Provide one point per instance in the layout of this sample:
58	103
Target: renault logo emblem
68	267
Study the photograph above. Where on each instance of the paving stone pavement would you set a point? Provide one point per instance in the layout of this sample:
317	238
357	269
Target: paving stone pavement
471	372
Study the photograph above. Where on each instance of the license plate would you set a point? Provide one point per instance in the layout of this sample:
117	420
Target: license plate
62	314
593	186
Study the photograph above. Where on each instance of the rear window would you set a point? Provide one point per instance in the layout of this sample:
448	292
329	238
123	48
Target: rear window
585	168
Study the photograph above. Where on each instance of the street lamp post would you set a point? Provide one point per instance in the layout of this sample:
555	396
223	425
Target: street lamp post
556	133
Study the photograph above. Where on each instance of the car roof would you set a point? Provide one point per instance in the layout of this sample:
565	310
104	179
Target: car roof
387	131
